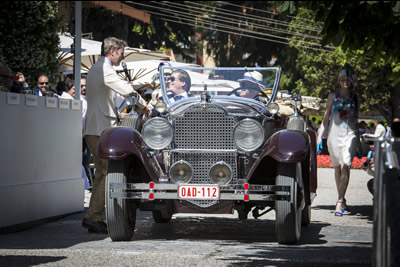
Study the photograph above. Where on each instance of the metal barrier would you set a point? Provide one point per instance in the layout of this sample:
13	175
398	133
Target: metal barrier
386	239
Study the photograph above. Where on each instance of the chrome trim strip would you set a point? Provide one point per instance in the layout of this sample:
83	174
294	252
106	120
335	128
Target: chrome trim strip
233	192
223	196
193	150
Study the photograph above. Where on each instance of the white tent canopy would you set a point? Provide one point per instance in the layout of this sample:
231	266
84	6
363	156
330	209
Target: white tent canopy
143	72
91	51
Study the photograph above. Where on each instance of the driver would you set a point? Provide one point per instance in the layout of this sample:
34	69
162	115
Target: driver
251	80
178	84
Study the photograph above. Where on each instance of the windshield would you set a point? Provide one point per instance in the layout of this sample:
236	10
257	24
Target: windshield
259	84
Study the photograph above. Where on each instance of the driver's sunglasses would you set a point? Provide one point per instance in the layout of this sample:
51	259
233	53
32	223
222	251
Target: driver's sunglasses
44	83
170	78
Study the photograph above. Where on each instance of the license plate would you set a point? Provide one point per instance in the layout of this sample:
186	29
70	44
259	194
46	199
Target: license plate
209	192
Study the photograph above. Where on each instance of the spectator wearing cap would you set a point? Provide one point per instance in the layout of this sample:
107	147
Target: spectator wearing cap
252	84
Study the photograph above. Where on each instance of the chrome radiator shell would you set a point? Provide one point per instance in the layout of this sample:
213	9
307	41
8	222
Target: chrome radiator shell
204	128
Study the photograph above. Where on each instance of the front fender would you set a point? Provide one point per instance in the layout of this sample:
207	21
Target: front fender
118	143
288	146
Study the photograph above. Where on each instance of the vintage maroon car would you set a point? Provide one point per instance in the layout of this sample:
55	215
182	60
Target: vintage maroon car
225	147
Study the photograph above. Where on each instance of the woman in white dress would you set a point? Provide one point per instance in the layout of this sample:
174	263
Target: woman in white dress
342	116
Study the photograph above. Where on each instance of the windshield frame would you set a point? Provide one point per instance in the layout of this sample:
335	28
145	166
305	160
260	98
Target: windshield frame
272	97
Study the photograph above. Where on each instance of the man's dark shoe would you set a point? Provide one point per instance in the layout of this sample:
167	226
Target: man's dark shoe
95	226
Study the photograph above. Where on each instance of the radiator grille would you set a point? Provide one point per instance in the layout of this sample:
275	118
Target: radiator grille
204	129
208	128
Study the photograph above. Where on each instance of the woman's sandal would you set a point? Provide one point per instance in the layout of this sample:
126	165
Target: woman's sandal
346	211
339	213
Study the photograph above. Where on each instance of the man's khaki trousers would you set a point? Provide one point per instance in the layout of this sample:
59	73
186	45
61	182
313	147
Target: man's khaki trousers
97	200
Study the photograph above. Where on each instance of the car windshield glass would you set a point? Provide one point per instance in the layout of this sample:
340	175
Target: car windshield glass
178	83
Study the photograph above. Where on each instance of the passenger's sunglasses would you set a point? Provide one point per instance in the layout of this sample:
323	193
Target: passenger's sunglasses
170	79
44	83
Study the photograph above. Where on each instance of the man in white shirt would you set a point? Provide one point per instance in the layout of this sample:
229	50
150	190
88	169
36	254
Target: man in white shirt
102	84
380	130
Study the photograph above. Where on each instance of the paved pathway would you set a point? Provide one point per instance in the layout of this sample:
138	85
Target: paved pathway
208	240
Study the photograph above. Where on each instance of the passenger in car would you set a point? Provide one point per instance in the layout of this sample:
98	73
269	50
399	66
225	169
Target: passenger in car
252	79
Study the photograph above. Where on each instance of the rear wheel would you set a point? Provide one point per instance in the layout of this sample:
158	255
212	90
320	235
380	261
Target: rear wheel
288	213
120	213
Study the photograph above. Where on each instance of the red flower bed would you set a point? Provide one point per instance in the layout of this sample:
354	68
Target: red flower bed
324	161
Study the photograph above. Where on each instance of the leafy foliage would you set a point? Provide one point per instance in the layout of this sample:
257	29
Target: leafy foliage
318	68
369	27
158	35
234	47
28	39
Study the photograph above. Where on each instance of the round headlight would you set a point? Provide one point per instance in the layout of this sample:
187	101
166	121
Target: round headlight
220	173
181	172
157	133
248	135
160	106
273	108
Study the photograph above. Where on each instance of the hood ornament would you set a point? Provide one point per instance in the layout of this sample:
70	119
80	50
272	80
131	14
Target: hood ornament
205	97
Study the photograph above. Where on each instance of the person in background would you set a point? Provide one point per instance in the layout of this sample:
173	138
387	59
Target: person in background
21	79
70	92
6	78
380	130
42	84
86	154
102	114
343	137
156	94
313	123
61	87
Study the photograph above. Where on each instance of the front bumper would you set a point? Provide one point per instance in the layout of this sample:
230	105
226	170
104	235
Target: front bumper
236	192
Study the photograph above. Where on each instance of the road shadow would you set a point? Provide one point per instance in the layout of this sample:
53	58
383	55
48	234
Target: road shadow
360	211
221	229
27	261
60	233
302	256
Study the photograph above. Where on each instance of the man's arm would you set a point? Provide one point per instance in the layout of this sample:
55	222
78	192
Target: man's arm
113	81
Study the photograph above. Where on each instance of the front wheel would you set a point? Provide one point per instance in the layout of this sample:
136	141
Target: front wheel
120	212
288	213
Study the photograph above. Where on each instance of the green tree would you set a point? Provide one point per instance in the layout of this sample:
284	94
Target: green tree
28	37
319	68
160	34
237	34
368	29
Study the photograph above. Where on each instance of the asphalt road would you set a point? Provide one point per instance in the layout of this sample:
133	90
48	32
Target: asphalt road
193	240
